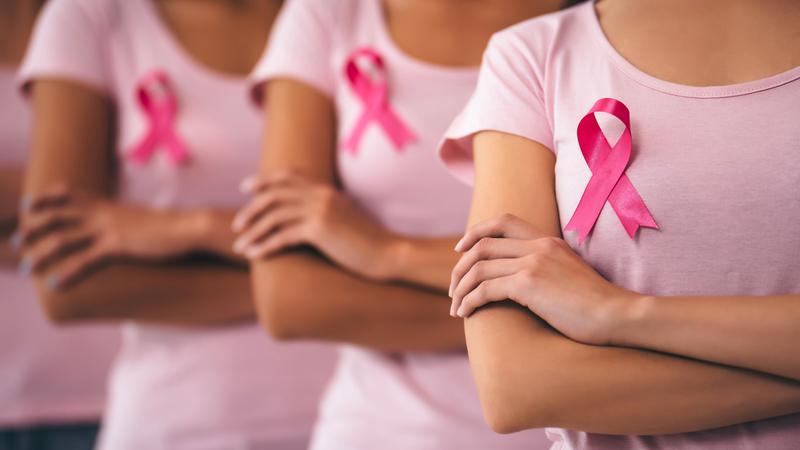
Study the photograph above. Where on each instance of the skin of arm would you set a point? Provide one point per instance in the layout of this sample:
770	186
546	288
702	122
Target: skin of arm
530	376
72	139
301	295
759	333
10	185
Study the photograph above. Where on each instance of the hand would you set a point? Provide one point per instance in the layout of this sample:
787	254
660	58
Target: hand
66	233
507	259
288	210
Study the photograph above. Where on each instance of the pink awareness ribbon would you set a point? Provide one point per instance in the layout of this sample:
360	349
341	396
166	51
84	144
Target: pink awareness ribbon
374	94
158	102
608	181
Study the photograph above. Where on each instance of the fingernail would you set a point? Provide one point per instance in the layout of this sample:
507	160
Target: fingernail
238	246
458	245
247	185
15	241
25	203
25	267
52	282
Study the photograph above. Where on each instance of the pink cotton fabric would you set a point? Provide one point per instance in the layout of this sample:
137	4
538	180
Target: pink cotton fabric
718	168
403	401
48	375
227	387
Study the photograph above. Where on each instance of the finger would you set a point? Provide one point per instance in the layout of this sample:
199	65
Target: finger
54	195
286	237
76	265
480	272
262	203
268	224
50	249
505	226
38	223
495	290
486	248
257	183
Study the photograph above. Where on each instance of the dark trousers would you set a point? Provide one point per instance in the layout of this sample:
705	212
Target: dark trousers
49	437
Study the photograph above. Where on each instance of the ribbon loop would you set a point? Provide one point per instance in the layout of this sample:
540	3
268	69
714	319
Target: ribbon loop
373	91
608	181
159	103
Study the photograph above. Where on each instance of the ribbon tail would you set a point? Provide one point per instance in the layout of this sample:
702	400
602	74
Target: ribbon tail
176	149
584	218
630	208
143	151
399	133
353	140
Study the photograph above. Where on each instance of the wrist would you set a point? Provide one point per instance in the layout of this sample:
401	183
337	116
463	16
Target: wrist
391	258
630	318
192	228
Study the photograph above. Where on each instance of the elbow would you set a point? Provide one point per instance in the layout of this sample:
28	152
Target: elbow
60	308
510	407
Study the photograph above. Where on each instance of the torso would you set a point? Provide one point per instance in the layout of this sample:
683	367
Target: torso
429	400
205	377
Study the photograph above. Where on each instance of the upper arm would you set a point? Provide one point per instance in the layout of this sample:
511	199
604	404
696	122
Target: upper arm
66	71
72	135
71	147
512	175
300	128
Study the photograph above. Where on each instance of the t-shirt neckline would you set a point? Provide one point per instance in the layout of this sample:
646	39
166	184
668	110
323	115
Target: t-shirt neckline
183	55
682	90
378	18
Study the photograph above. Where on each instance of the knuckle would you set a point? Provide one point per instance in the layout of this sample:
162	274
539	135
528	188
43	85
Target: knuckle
479	269
482	247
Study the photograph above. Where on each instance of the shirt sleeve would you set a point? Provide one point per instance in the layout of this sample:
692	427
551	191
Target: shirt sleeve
70	42
508	98
300	46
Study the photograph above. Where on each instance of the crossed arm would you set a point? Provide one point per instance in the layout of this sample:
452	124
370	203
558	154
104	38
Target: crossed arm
334	292
530	375
73	148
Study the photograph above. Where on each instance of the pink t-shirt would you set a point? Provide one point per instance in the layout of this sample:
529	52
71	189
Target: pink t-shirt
178	387
47	375
717	167
376	400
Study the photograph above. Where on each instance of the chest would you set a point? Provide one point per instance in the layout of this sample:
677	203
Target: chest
210	118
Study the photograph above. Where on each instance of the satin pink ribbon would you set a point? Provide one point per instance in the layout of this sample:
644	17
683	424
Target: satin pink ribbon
608	182
374	94
158	102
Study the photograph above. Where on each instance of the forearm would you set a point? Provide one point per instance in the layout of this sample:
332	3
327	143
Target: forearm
758	333
301	296
178	293
530	376
423	261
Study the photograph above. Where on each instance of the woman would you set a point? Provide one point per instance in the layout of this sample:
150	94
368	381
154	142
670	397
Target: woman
673	295
142	131
353	220
52	382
